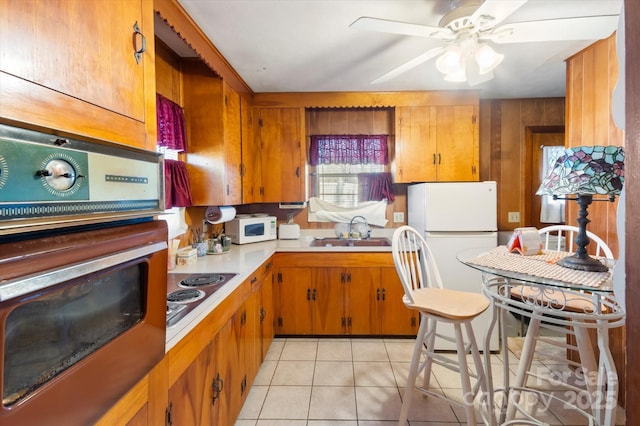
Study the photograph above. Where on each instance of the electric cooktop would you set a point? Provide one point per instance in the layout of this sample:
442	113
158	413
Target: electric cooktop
186	291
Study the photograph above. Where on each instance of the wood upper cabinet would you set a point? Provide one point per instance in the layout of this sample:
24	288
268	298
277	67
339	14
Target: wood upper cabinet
71	65
251	156
437	144
280	132
212	116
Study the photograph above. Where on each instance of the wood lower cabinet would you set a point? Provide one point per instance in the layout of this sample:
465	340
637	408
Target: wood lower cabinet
71	65
437	143
191	397
266	313
361	295
395	318
292	295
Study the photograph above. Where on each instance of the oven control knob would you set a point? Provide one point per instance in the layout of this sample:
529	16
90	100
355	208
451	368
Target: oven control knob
59	175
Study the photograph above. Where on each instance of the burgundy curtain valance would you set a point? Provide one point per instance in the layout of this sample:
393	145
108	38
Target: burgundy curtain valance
176	184
170	124
348	149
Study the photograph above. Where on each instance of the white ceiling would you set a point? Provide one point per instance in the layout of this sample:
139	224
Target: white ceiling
308	46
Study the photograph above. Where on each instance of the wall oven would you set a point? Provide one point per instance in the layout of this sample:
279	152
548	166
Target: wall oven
83	275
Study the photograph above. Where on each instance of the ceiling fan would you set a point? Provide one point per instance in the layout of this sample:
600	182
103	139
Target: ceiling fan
464	32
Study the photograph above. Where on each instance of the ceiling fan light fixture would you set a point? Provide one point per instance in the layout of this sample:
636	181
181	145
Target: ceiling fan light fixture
458	76
450	61
487	58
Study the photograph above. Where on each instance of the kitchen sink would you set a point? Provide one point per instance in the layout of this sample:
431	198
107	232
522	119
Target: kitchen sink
344	242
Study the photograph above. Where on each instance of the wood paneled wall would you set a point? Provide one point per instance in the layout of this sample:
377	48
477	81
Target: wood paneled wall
591	77
505	132
632	213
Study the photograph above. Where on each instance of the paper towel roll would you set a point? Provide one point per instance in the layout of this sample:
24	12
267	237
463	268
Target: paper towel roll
220	214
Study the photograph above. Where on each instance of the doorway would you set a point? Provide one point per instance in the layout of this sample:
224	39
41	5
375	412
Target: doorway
536	138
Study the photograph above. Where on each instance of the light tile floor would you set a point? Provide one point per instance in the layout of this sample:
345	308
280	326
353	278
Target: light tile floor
360	382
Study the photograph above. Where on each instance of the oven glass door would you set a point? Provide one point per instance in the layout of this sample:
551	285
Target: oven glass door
48	333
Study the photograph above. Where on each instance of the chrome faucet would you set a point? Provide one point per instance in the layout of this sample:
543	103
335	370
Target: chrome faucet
368	235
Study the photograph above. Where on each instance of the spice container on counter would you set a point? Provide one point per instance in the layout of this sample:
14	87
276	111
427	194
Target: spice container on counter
214	246
187	256
218	245
226	243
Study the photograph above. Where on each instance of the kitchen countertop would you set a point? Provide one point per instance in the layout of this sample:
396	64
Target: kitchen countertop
243	260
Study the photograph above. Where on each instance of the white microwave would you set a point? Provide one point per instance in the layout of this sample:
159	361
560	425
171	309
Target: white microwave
244	230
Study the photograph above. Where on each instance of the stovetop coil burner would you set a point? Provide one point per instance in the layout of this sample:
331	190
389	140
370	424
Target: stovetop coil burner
186	291
185	296
202	280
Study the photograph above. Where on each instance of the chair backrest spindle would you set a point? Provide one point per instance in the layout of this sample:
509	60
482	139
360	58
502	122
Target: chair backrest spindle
569	233
414	261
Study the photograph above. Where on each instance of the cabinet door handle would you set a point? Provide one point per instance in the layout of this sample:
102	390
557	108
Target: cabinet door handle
308	294
298	171
215	389
377	294
434	158
168	420
313	295
439	158
383	294
137	53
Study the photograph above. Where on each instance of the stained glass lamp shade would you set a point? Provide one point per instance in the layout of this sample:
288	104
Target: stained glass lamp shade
585	171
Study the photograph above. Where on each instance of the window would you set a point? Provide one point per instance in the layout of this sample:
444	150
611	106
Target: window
339	184
349	169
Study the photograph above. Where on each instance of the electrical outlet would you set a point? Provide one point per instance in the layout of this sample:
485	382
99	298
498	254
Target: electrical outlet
514	217
398	217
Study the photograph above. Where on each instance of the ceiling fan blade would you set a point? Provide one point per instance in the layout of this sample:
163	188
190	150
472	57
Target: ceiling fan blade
432	53
403	28
492	12
582	28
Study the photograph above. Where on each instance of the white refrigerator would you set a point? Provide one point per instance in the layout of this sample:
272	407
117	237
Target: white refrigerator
456	216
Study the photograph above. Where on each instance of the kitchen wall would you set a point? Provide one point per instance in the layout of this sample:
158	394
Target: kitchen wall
507	129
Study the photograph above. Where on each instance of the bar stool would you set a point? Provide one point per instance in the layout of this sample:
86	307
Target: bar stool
424	292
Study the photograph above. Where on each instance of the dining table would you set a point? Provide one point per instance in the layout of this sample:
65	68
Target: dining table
534	286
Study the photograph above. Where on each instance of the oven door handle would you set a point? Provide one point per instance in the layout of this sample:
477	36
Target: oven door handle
24	285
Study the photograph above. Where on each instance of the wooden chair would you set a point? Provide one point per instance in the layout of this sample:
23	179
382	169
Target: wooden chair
425	293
